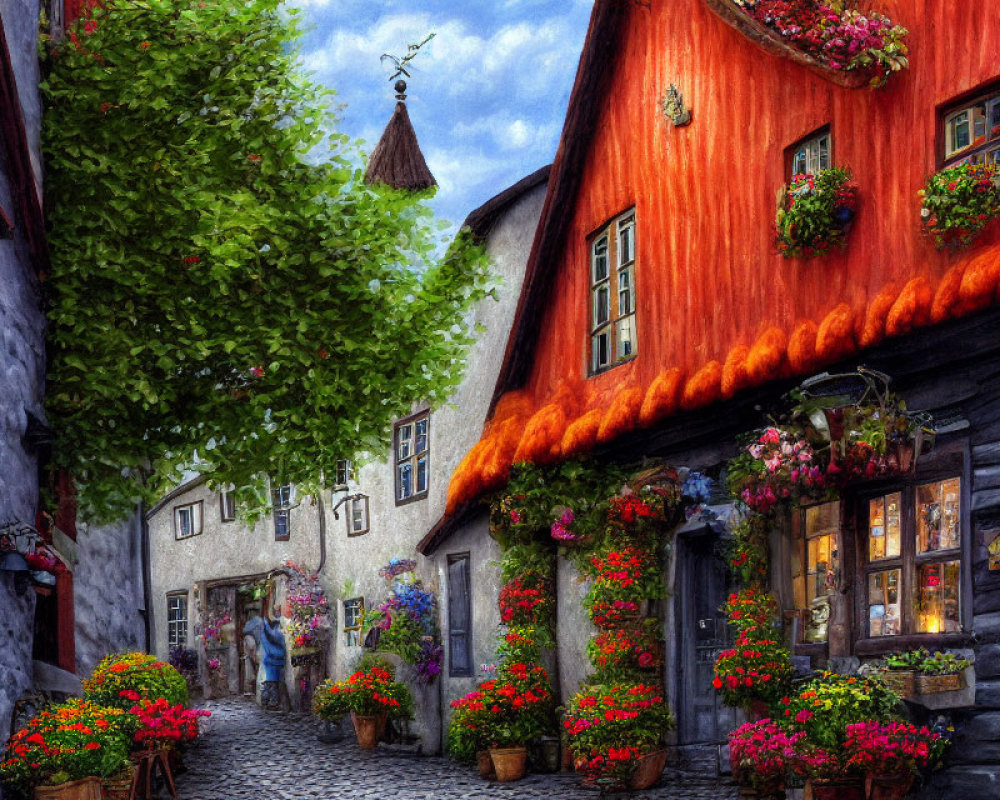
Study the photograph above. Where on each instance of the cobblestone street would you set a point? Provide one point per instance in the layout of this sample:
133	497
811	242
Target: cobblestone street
249	753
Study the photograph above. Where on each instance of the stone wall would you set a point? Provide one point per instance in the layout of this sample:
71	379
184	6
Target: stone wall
107	590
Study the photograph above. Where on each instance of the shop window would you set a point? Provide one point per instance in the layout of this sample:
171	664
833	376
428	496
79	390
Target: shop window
914	563
227	505
970	130
459	617
354	615
816	568
811	155
187	520
177	620
411	443
612	294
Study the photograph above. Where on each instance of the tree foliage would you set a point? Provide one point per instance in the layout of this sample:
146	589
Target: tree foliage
212	289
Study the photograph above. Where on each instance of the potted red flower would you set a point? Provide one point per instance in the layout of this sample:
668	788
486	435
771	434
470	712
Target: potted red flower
762	754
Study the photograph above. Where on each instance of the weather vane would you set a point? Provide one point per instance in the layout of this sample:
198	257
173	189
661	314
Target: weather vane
401	65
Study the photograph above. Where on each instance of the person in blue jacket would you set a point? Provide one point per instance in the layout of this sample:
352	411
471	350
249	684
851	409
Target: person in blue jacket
273	642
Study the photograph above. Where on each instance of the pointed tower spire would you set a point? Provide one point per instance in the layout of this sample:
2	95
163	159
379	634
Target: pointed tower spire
397	160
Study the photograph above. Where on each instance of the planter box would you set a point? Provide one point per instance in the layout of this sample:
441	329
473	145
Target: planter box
902	681
83	789
932	684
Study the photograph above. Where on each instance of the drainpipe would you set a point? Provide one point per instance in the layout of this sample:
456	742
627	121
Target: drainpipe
322	533
146	599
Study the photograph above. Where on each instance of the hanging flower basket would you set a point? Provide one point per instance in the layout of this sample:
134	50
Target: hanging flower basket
815	213
958	202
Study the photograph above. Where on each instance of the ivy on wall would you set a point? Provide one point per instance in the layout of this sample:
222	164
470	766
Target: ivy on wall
213	289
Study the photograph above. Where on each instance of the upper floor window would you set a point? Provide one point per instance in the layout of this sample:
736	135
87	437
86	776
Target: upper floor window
357	515
354	615
281	500
187	520
612	294
812	154
971	130
177	620
411	442
227	505
345	472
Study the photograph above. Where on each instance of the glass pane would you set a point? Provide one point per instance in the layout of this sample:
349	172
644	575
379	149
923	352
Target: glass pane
404	441
979	124
184	521
625	331
799	162
404	480
823	154
958	132
883	603
937	598
602	304
422	474
600	260
993	118
357	515
626	241
601	349
883	527
938	516
625	292
822	567
421	428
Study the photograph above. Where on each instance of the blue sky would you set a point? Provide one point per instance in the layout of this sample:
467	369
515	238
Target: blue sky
488	94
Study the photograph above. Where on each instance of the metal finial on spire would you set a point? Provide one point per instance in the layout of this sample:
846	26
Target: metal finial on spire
401	64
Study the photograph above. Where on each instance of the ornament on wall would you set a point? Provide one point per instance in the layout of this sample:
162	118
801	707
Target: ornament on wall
674	109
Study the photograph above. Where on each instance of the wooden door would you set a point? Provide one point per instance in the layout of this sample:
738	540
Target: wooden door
703	586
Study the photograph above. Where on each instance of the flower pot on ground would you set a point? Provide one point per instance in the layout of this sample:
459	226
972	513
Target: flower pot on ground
83	789
119	785
484	762
761	754
367	728
509	763
888	787
648	769
838	788
368	693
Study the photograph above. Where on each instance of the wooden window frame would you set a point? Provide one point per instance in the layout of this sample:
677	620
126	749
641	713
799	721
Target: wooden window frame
172	639
346	473
280	509
815	136
198	508
988	94
227	511
461	670
351	501
615	270
357	623
412	458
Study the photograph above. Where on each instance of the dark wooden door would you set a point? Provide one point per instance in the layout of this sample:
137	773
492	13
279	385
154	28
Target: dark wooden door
703	586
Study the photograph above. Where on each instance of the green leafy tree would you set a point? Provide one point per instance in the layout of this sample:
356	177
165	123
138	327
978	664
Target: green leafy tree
213	289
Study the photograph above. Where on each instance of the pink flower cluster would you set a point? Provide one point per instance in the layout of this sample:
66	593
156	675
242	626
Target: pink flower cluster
761	753
561	530
788	468
892	747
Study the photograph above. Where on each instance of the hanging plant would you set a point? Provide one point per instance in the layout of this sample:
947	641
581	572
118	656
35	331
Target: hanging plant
958	202
815	213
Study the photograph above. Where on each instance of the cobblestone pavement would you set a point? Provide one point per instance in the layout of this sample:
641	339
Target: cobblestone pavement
249	753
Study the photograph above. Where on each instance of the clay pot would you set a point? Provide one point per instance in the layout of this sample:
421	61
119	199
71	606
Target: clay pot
509	763
485	764
648	769
367	730
888	787
843	789
83	789
118	788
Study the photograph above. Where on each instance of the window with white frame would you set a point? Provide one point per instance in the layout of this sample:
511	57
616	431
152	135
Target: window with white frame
612	294
972	130
411	440
354	615
177	619
357	515
345	472
281	500
227	505
187	520
812	154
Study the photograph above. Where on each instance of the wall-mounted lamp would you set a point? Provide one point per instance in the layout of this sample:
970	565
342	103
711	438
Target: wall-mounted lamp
16	540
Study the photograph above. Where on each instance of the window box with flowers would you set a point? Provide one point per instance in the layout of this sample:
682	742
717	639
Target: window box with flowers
959	202
815	212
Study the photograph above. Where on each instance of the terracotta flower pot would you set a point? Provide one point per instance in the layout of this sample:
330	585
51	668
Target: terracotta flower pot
509	762
840	789
762	794
888	787
485	763
83	789
367	729
118	788
648	769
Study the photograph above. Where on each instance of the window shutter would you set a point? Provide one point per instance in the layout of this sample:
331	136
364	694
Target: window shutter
459	617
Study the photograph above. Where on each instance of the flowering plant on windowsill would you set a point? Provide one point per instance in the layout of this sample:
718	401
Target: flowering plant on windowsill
958	202
814	213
